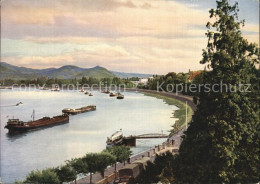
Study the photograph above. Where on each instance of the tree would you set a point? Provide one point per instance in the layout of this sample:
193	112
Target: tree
66	173
44	176
78	165
221	144
160	170
104	159
91	160
122	153
84	80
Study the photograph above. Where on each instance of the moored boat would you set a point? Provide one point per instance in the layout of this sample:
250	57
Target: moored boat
82	90
111	94
106	91
55	89
120	96
86	93
115	139
90	94
17	126
44	88
6	87
79	110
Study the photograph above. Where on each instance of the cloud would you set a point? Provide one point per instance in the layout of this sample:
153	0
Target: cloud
111	18
125	35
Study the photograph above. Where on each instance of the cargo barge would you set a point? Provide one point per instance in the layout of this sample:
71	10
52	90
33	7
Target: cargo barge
79	110
17	126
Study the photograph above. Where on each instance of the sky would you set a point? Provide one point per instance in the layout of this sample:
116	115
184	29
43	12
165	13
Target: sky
142	36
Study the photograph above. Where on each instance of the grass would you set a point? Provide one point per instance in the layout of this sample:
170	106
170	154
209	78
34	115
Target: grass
180	114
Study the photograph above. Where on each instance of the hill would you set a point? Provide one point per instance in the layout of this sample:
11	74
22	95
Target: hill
64	72
8	71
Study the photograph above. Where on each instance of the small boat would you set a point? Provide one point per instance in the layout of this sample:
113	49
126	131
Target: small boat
79	110
86	93
55	89
120	96
6	87
44	88
90	94
111	94
115	139
82	90
20	103
106	91
17	126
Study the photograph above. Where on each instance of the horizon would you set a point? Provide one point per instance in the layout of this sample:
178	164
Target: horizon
130	36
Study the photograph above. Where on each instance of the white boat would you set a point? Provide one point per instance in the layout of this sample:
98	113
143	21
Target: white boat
115	139
55	89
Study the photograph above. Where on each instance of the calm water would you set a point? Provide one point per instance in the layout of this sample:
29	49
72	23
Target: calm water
136	114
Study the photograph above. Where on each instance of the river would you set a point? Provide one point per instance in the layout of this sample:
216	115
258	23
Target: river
136	114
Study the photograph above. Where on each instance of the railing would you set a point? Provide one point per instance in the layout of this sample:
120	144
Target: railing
150	136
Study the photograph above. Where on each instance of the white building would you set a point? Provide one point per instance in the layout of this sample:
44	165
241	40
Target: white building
143	81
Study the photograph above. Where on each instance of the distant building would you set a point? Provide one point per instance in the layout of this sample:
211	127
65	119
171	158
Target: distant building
143	81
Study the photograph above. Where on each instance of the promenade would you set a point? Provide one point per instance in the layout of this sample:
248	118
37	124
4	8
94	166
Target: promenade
109	171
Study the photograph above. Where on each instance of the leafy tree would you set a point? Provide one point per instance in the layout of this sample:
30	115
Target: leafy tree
66	173
78	165
221	144
91	160
173	75
122	153
84	80
104	159
160	170
44	176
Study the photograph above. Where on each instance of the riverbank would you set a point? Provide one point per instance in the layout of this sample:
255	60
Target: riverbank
180	114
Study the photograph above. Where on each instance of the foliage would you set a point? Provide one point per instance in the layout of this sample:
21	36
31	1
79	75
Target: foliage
66	173
122	153
78	165
160	170
98	162
221	144
104	159
172	82
44	176
86	81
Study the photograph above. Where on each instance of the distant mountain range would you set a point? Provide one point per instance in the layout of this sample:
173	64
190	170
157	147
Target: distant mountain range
8	71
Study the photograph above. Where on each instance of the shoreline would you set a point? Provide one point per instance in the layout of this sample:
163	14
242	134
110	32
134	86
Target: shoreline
180	113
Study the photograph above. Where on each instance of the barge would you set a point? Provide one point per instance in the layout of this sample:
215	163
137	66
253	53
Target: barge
79	110
17	126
